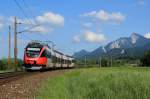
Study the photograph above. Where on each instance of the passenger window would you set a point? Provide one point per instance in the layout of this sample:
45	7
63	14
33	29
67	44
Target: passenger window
46	54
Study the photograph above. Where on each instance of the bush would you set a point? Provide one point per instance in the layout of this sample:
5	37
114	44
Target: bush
145	61
104	62
4	64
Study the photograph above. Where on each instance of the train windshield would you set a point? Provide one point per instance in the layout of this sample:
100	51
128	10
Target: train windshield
33	52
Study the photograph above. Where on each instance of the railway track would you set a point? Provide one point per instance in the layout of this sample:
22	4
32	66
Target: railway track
11	76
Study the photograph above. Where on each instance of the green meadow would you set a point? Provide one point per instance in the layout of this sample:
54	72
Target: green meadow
98	83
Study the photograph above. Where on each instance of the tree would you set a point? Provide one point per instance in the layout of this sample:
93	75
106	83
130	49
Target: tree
104	62
3	65
145	61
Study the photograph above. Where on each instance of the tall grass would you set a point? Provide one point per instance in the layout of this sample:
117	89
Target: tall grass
98	83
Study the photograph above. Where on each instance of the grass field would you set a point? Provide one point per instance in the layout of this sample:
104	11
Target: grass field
99	83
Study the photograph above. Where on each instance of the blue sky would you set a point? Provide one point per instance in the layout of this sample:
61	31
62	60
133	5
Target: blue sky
74	24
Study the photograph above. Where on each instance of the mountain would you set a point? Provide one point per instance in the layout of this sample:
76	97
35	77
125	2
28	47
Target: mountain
81	54
133	46
135	40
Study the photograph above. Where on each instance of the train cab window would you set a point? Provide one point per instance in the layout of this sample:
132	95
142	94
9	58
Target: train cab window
46	54
43	53
33	52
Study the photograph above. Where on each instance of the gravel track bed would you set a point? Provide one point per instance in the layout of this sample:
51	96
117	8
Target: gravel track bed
27	86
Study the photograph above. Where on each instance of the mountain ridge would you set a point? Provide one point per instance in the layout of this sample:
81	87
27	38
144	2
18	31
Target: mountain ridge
124	46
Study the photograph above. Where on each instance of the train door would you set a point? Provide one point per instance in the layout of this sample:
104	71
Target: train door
49	62
49	59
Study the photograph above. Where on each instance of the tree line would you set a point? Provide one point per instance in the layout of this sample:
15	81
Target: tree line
5	66
143	61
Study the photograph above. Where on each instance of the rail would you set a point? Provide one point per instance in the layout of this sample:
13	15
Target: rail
11	76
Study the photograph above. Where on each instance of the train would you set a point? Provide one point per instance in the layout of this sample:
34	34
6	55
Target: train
39	56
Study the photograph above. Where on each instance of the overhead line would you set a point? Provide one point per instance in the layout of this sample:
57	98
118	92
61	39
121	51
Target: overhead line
28	30
31	12
22	10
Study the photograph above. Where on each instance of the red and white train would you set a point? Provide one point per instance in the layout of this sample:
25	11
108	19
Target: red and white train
38	56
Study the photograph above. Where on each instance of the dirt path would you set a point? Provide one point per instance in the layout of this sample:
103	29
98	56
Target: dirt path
26	87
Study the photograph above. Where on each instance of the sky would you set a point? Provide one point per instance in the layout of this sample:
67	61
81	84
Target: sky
72	24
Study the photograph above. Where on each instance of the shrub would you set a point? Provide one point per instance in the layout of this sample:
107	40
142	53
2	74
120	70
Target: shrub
5	66
145	61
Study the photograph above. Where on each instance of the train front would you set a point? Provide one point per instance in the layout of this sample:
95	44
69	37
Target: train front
32	57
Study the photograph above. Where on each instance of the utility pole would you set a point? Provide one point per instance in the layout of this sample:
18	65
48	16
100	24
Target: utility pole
9	46
100	62
2	47
111	61
15	42
15	39
85	61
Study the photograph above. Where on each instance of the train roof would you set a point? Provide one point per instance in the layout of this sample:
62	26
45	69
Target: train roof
63	54
58	52
37	44
67	56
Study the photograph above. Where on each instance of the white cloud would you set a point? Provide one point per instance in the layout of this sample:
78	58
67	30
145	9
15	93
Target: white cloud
48	22
87	25
104	16
147	35
90	36
41	29
76	38
117	17
28	24
51	18
94	37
